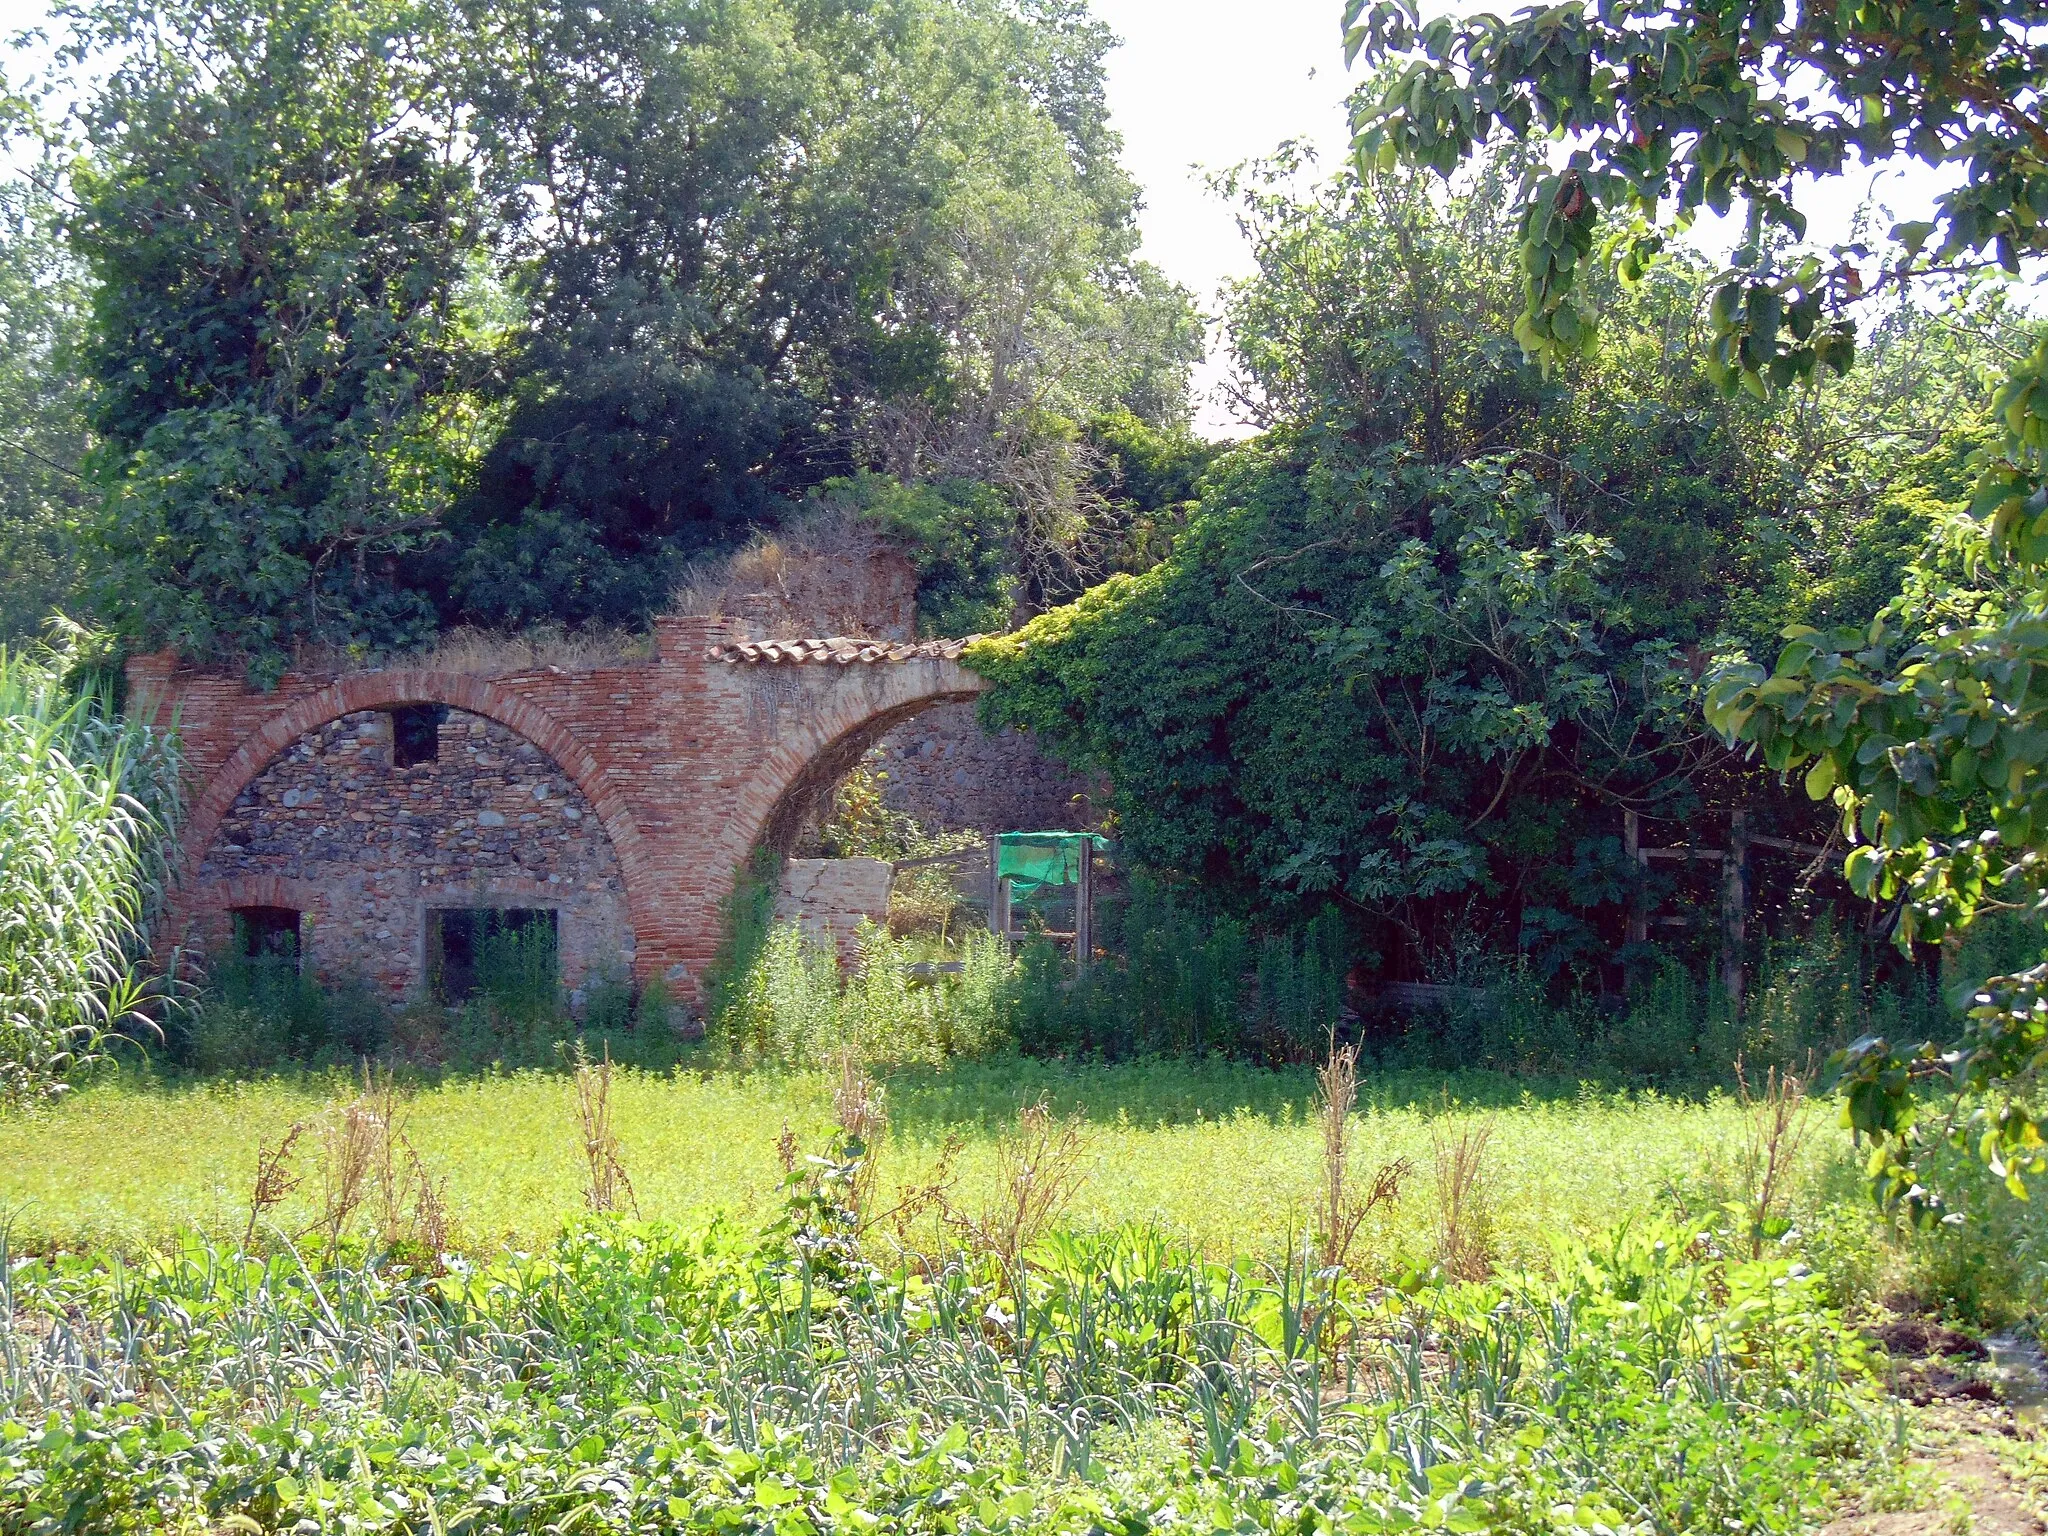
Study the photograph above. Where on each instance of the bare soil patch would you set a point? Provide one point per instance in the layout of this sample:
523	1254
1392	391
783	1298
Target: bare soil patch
1979	1463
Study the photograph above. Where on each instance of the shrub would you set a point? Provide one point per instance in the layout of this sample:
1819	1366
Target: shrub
264	1011
1179	982
792	1006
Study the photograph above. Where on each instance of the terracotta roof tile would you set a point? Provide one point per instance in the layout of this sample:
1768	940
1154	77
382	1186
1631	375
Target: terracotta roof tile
838	650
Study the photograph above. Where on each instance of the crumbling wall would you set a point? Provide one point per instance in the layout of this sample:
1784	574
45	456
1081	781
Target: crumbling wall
689	760
829	897
838	576
943	769
370	848
826	576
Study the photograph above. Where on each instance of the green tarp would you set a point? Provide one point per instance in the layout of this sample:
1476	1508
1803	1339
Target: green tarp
1029	860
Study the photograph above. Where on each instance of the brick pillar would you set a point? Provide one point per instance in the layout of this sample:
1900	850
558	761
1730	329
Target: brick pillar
684	638
150	686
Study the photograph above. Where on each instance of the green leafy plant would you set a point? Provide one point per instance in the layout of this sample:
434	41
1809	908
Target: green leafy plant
279	401
1674	106
87	798
662	1380
1920	726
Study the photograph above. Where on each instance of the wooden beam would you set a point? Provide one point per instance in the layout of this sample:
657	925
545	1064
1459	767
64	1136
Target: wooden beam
1786	845
962	856
1632	843
1734	911
1084	910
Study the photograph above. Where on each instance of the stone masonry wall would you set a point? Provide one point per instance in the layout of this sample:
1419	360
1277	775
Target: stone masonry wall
493	822
690	759
951	775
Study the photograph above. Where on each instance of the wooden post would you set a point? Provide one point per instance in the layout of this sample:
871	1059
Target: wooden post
1003	905
995	885
1632	842
1084	910
1734	927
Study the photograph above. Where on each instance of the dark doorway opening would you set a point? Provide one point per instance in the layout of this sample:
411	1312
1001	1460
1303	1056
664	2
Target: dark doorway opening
267	933
416	734
506	953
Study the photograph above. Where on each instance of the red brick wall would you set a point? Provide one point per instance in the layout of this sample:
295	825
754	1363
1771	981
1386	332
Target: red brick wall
688	761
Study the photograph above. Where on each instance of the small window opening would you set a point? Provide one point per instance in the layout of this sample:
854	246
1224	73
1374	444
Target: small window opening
504	953
416	734
267	933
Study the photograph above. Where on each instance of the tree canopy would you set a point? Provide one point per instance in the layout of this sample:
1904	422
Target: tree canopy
1919	724
277	217
410	314
1418	648
43	493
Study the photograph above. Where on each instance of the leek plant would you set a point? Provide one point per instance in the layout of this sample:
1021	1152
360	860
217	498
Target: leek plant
86	798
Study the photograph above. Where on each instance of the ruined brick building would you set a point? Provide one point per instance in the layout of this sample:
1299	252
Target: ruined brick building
373	815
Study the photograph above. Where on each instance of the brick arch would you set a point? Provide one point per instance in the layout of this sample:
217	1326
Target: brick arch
389	690
806	769
265	891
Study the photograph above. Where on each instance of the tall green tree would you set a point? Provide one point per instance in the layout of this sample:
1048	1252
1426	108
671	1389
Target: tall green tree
277	213
43	437
1415	650
1924	726
766	242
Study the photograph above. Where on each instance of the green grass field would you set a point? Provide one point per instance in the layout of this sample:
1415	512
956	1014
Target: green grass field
1221	1154
1634	1353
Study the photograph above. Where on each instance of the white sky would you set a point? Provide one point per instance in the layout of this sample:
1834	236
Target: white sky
1211	83
1204	84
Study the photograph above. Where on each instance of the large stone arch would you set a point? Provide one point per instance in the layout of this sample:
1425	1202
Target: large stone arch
394	689
688	759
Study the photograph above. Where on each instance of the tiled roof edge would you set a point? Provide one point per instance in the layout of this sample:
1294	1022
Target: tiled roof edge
838	650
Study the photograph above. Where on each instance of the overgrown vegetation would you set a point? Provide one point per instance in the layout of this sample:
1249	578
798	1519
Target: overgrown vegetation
1421	645
1394	1160
594	329
709	1378
86	797
1921	725
951	1349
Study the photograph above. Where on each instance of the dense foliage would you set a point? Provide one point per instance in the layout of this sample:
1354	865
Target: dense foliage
277	220
404	315
1420	646
1675	106
768	243
631	1378
42	449
1918	727
85	797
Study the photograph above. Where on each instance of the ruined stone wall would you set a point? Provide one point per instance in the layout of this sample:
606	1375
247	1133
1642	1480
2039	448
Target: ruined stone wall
690	759
840	578
833	577
951	775
365	849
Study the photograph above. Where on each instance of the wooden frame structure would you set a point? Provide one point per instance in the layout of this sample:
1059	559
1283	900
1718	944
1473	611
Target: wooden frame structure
1734	861
999	914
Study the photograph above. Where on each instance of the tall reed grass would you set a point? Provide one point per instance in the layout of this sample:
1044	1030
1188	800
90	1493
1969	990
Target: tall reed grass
86	797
